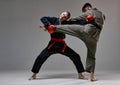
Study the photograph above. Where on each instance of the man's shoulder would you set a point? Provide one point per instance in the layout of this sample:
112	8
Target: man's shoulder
95	9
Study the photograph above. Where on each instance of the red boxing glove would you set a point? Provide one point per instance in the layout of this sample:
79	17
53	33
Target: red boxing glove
89	18
51	29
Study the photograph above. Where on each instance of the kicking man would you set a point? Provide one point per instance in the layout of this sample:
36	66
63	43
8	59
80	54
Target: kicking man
89	32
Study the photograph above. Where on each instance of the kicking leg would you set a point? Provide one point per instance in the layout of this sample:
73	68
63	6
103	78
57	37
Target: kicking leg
73	30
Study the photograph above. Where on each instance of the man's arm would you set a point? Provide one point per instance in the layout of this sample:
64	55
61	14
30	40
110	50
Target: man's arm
78	22
81	20
48	20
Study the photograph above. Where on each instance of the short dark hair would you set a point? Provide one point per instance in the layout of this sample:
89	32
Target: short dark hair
86	5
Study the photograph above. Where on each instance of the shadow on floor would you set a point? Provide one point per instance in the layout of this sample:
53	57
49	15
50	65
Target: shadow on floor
55	76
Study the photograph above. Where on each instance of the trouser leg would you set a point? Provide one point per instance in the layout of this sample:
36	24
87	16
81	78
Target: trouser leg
75	59
90	61
40	60
73	30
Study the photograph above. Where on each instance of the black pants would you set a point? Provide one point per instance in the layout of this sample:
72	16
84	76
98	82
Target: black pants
57	49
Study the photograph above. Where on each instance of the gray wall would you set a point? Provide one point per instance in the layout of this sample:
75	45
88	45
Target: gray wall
21	40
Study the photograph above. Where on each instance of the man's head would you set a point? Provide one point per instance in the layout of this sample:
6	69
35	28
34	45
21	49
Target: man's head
86	6
64	16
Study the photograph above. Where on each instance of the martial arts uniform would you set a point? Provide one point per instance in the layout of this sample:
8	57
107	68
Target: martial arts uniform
88	33
56	45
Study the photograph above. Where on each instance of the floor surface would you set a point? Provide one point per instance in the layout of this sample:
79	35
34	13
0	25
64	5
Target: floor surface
57	78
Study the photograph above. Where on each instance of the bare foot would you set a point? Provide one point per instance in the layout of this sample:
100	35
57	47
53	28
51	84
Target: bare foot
92	78
80	76
33	77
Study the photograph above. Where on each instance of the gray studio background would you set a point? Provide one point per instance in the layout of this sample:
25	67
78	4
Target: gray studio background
21	40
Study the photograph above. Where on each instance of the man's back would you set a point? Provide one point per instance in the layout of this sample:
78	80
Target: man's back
98	17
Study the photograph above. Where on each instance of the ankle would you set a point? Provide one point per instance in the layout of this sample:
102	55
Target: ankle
34	74
92	74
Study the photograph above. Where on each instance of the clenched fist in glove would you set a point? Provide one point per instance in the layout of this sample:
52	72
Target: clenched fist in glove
51	29
89	18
